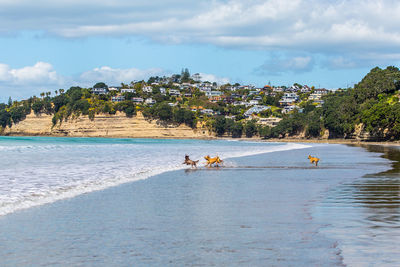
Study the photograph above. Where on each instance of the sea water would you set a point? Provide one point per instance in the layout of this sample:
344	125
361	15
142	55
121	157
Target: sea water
38	170
269	208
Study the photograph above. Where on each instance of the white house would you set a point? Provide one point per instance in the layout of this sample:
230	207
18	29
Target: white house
174	92
207	111
128	90
213	93
253	102
118	98
255	109
147	89
99	91
150	101
137	100
288	98
290	108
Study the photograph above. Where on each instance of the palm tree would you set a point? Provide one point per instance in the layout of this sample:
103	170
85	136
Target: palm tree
42	94
56	91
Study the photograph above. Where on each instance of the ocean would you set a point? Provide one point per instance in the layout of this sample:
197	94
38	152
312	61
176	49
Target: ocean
131	202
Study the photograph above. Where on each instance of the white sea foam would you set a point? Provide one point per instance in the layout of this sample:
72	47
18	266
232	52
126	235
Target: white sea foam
37	172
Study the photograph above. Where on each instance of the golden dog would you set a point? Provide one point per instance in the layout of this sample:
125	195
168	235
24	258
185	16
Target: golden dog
211	161
313	160
188	161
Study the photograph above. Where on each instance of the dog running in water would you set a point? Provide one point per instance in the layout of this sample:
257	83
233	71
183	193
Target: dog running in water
188	161
211	161
313	160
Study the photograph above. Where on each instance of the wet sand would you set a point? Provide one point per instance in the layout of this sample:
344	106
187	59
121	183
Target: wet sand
272	209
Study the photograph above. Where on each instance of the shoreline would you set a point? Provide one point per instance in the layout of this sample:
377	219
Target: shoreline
253	139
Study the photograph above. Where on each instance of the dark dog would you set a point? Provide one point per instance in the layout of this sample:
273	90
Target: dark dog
188	161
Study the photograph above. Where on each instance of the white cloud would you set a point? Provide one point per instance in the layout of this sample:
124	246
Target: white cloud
116	76
213	78
38	74
278	64
29	80
303	25
42	77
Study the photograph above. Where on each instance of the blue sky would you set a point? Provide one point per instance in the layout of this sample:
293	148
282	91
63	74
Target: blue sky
46	45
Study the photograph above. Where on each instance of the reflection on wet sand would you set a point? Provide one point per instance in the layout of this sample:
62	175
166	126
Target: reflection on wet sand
380	192
364	214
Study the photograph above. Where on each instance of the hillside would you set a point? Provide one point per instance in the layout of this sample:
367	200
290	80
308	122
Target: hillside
103	125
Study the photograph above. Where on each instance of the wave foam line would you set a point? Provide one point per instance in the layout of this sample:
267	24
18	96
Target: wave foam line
88	187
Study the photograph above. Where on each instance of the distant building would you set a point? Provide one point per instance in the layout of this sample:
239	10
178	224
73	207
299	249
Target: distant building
253	102
137	100
288	99
255	110
321	91
118	98
150	101
147	89
288	109
128	90
174	92
207	111
99	91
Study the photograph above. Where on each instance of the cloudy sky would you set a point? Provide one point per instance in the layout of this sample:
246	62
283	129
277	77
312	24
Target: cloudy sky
46	45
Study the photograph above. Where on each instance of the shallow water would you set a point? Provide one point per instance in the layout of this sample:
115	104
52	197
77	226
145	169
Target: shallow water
364	214
272	209
39	170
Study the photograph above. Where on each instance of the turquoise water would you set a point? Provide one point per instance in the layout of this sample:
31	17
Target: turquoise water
262	209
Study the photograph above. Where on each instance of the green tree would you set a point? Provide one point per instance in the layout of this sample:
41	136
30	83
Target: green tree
250	128
163	111
100	85
219	125
237	130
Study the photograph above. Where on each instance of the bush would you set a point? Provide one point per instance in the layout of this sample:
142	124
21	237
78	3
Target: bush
5	118
237	130
37	107
250	128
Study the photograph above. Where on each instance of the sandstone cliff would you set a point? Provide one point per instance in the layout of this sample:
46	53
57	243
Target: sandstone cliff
103	125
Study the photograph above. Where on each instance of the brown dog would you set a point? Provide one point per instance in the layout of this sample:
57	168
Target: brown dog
188	161
211	161
313	160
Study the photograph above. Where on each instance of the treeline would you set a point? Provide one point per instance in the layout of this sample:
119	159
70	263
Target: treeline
164	112
371	108
78	101
373	105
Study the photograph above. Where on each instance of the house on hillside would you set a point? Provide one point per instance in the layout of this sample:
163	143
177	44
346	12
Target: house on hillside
99	91
290	108
255	110
118	98
174	92
147	89
288	99
128	90
150	101
137	100
321	91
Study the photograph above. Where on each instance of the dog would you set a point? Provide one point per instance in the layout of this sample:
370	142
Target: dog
211	161
313	160
188	161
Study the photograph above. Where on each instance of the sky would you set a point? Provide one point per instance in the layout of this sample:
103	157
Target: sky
46	45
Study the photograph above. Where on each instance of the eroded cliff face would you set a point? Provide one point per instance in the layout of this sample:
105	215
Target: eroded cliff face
103	125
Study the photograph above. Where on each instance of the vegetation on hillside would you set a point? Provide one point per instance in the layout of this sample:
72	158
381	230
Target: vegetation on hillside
372	106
